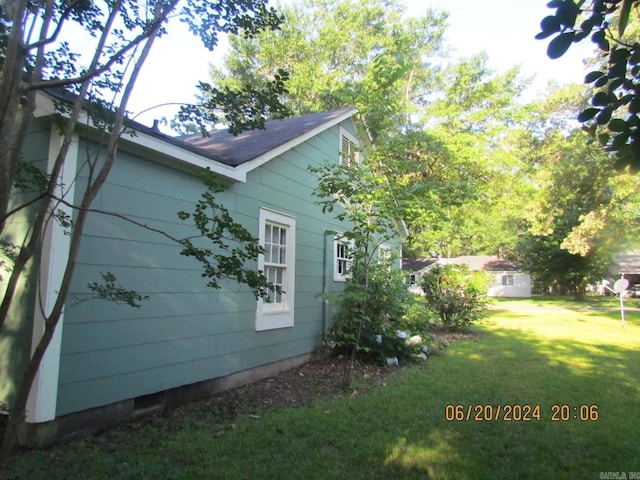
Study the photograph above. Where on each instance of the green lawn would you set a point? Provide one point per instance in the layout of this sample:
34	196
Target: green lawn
533	353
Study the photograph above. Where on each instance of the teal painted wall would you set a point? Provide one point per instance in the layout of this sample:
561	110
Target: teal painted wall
186	332
15	336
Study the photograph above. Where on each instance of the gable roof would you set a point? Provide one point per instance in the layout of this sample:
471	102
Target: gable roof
489	263
225	154
237	150
417	264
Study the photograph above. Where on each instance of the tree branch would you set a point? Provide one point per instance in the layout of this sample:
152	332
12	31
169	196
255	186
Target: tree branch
96	70
52	38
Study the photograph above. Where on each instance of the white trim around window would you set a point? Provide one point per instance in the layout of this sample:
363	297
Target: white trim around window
342	250
277	234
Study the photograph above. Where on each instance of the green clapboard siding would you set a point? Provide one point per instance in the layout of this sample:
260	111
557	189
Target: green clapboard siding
187	332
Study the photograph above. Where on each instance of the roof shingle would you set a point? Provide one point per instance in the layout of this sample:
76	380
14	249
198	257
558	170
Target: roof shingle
236	150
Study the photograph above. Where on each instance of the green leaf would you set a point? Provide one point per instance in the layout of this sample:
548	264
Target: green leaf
543	35
559	45
600	99
567	13
593	76
618	125
635	54
598	36
549	25
604	45
619	54
604	116
622	162
634	105
588	114
587	25
603	139
601	82
619	141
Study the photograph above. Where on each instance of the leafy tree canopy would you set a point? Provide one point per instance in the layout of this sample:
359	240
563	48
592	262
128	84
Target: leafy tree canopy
578	211
345	52
612	115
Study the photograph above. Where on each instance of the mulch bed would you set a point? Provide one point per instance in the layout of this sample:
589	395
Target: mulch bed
319	379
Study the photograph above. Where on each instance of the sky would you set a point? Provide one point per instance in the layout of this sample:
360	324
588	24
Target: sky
503	29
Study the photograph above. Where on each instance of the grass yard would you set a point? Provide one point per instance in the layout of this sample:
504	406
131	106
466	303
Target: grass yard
529	352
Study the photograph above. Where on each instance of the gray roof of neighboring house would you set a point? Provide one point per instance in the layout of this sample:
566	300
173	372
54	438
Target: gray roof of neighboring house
627	264
489	263
236	150
417	264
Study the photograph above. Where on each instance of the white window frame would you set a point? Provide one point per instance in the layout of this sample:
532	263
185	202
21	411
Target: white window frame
341	263
352	148
507	280
278	315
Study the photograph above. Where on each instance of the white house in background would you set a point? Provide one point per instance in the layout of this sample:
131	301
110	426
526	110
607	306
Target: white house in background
506	278
415	269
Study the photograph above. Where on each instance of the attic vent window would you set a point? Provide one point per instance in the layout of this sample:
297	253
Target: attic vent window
349	149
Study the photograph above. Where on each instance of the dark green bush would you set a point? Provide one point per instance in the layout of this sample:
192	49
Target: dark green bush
456	295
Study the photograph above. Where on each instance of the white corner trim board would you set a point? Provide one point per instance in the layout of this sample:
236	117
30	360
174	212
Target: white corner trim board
41	406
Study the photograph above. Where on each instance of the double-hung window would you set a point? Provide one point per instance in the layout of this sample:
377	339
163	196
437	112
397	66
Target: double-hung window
342	251
278	238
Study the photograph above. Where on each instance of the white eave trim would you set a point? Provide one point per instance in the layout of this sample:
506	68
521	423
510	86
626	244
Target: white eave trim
183	155
271	154
45	107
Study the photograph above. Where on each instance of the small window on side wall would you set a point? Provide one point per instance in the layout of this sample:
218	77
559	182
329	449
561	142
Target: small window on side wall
342	251
349	149
507	280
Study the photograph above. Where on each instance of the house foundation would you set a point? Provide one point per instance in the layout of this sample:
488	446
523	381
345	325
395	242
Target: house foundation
81	424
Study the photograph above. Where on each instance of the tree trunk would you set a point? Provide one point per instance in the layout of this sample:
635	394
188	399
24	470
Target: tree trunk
17	415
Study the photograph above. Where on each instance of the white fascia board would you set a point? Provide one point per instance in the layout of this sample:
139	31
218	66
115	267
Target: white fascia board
439	262
182	155
45	107
264	158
